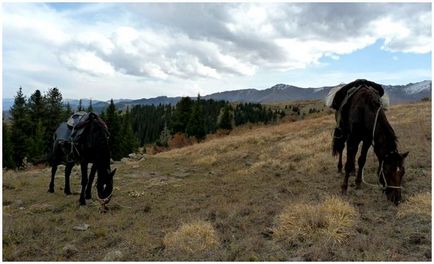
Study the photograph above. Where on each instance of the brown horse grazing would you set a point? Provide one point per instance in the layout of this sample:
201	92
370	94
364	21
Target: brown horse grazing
362	118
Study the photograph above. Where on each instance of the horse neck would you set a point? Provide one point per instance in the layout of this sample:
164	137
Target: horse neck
98	145
384	138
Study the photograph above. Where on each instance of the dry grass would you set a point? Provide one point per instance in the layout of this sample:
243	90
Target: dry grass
196	239
419	204
239	184
329	222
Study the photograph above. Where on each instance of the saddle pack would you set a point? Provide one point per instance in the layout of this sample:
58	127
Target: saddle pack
69	133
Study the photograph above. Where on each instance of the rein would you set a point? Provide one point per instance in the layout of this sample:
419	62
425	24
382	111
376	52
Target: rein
381	173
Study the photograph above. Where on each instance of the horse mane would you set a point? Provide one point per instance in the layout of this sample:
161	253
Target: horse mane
376	101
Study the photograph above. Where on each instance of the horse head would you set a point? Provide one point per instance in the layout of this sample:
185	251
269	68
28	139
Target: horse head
391	173
105	186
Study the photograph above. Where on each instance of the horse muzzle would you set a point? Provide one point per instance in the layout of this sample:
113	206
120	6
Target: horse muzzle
394	195
105	194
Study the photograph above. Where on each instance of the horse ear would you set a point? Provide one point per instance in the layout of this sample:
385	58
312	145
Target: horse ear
404	155
113	172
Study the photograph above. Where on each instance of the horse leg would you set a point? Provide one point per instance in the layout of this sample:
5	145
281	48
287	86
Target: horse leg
89	184
340	161
83	182
53	173
68	169
352	147
361	162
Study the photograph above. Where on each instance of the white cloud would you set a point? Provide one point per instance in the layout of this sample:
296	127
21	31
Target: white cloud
86	61
203	43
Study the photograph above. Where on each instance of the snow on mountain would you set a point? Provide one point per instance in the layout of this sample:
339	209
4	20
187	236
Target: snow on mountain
413	88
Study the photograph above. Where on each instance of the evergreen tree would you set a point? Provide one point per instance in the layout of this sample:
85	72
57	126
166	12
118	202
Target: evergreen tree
90	107
226	118
164	136
20	129
37	144
37	106
196	124
182	115
54	116
114	127
80	106
37	111
68	111
8	154
129	142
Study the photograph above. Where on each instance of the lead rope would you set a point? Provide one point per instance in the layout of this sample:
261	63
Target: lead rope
381	173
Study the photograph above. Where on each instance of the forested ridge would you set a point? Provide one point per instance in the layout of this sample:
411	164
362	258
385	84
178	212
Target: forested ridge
28	134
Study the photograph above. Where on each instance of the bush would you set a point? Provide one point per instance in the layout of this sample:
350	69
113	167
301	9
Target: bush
179	140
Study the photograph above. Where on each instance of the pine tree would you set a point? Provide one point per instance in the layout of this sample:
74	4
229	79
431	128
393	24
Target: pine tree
37	112
20	129
68	111
37	106
37	144
164	136
129	142
8	154
80	106
196	124
182	115
54	116
114	126
226	118
90	107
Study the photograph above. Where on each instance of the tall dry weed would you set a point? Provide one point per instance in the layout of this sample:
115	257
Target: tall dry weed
197	239
419	204
330	221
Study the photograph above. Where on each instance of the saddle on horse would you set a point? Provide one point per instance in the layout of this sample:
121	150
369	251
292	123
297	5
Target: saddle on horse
68	133
339	103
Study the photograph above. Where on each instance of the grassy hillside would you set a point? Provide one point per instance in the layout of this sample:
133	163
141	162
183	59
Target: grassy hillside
268	193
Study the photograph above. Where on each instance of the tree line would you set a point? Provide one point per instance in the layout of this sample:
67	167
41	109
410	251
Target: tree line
29	132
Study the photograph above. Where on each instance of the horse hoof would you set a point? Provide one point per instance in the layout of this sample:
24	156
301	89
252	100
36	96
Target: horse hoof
82	202
88	197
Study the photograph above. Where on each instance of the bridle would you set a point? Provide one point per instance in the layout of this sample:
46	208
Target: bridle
104	201
381	172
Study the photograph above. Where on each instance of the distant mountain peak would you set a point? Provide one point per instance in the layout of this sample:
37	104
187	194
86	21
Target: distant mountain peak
413	88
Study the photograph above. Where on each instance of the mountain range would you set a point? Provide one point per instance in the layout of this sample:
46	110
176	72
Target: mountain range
280	92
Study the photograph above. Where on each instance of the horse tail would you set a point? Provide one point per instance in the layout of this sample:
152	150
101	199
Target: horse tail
338	144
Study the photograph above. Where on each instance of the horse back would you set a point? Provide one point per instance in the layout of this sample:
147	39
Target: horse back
361	110
340	95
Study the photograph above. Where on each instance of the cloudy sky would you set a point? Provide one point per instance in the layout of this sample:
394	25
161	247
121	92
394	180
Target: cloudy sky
143	50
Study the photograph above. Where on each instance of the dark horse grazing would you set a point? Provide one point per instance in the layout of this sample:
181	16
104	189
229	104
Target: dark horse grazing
63	153
86	143
362	119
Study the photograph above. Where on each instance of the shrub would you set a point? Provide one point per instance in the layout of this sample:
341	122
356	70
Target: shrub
179	140
196	239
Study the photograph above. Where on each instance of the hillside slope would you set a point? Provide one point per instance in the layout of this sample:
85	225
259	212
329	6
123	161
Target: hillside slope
239	184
